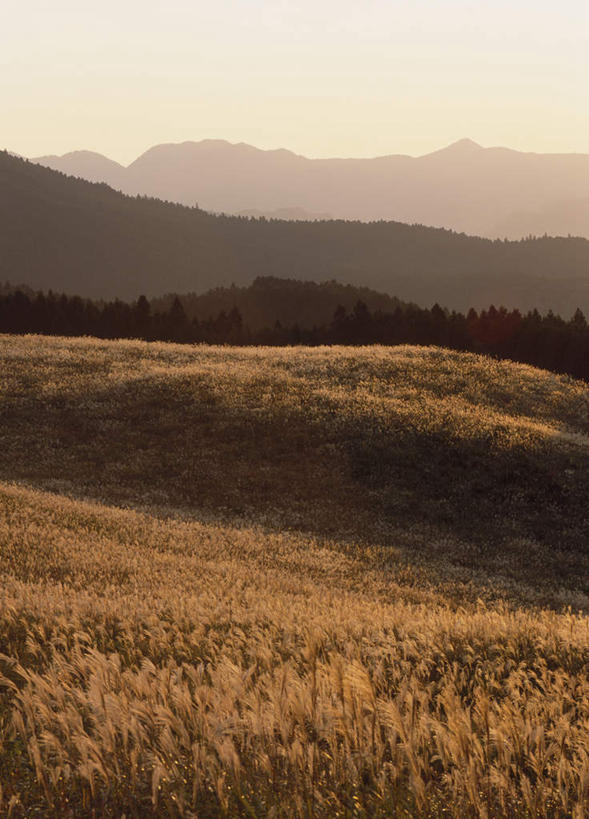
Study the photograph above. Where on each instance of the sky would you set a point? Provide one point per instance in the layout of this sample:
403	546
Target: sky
320	77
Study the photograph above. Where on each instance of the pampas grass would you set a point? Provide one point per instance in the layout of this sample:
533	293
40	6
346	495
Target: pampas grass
173	660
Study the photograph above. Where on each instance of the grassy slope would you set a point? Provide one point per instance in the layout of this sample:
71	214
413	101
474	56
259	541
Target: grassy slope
338	586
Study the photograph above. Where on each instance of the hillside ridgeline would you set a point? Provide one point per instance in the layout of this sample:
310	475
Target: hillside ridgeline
70	235
493	192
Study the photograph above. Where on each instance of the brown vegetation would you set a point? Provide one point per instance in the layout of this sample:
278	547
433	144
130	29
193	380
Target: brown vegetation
347	582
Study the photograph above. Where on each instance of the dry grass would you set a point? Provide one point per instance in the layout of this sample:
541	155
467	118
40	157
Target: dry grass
347	583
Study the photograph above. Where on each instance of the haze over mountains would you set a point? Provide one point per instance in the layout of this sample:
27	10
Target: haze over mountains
493	192
87	239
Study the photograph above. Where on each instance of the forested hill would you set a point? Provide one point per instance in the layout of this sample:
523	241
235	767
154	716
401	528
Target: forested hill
269	300
78	237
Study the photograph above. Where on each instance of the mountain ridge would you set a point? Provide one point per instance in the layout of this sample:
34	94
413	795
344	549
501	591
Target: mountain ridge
87	239
495	192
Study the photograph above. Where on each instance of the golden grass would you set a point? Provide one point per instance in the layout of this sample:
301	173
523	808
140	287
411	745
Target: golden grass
308	607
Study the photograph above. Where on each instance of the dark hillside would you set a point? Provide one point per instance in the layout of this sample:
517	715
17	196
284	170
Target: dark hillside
78	237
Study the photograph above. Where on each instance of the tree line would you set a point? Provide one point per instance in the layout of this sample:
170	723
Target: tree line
546	341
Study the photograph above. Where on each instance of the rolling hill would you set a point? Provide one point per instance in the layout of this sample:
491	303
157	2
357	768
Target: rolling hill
77	237
287	301
297	582
494	192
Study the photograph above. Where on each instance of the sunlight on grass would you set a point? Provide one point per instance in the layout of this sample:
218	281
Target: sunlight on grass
277	583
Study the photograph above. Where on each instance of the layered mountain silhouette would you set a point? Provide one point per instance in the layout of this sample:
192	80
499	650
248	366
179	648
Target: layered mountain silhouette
88	239
494	192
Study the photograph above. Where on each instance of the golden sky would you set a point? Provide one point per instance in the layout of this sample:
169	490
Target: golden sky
321	77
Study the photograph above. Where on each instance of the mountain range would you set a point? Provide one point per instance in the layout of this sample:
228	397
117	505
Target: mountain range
86	238
491	192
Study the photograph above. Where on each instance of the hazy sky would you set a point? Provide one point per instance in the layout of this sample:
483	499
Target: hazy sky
322	77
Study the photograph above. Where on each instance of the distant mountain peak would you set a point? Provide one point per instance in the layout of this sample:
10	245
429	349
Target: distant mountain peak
84	154
76	156
215	144
465	144
456	151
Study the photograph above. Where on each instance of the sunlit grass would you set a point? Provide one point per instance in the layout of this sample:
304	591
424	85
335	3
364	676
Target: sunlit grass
309	606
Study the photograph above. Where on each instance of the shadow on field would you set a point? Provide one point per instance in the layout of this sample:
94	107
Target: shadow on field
179	442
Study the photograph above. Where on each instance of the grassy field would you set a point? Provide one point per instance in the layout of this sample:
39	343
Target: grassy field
290	582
